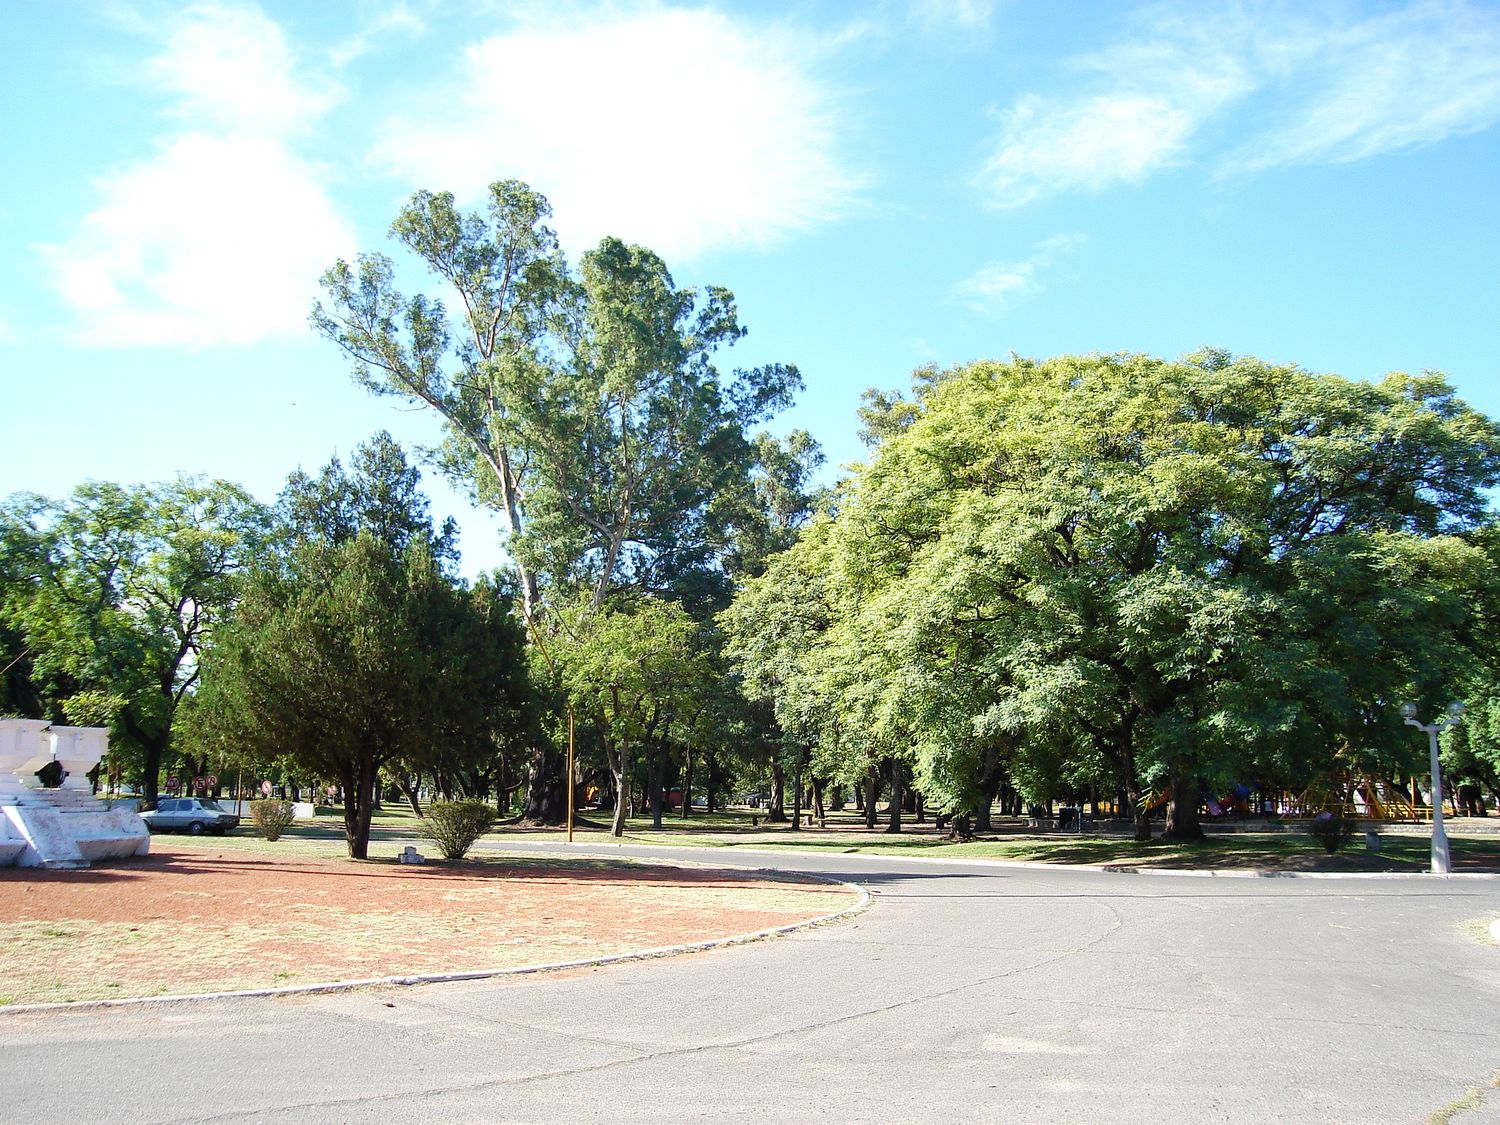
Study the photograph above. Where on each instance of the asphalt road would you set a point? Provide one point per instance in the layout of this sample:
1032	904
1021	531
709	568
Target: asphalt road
966	993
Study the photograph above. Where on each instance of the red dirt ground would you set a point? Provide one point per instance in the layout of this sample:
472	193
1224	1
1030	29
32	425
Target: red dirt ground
190	919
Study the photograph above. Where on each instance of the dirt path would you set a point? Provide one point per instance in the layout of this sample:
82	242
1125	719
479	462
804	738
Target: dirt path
190	919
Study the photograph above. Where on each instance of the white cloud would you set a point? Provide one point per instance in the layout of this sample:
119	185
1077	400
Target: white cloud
215	239
1089	144
220	234
679	129
938	16
231	68
1311	85
992	287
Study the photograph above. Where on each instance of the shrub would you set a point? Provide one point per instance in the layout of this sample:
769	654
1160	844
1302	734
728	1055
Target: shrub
455	825
1333	832
270	817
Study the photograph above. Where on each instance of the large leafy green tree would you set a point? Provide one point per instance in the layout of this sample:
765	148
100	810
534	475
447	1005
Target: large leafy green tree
355	647
1149	573
116	591
630	670
583	405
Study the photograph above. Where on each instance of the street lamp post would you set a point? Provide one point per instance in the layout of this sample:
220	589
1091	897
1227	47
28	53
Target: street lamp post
1440	861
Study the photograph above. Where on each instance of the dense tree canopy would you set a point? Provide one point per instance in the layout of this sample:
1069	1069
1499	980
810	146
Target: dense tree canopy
1133	572
353	647
114	594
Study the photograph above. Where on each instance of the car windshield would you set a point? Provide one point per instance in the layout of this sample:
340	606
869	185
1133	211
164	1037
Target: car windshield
211	804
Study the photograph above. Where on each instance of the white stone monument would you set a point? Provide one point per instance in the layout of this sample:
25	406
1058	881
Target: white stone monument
66	826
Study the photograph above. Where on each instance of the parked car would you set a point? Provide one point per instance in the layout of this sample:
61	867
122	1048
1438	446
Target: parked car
195	815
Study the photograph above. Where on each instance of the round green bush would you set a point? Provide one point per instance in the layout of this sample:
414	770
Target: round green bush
270	817
455	825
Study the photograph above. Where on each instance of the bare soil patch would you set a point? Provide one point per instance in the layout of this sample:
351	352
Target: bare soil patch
189	919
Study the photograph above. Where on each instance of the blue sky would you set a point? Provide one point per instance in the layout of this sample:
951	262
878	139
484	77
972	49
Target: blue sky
882	184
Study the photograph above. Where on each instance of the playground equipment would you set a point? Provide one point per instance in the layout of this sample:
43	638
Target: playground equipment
1360	797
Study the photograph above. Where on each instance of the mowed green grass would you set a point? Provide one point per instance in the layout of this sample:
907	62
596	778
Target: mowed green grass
1403	848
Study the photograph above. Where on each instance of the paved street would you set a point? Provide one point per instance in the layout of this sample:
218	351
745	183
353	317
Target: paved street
966	993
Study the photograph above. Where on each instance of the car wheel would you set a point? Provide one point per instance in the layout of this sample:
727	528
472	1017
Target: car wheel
195	828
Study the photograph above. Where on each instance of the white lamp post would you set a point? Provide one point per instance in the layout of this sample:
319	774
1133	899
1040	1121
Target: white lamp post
1440	862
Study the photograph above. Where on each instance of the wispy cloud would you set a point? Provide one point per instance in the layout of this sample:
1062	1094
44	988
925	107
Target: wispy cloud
683	129
994	286
1399	80
1090	144
394	22
947	16
219	234
1308	85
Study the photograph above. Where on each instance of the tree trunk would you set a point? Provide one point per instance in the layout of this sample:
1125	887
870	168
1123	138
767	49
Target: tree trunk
410	790
872	789
797	794
546	790
687	782
1116	748
818	809
622	802
152	748
1183	826
897	792
359	803
776	810
711	789
152	776
1140	815
990	776
654	781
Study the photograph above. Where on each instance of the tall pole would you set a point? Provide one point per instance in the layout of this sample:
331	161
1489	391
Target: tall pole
571	786
1441	862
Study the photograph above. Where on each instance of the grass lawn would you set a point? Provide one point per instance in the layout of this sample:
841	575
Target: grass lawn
1403	848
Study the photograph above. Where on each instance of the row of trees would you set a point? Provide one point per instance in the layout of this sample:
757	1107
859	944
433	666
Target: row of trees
584	406
325	636
1132	575
1104	572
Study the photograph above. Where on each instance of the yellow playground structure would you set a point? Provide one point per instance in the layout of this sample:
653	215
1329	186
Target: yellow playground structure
1361	797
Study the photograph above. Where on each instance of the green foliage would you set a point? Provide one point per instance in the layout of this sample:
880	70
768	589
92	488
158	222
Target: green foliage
583	405
631	670
113	595
271	817
353	650
1119	570
455	825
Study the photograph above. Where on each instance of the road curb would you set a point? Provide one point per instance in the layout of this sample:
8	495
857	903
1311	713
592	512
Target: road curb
862	902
